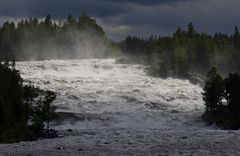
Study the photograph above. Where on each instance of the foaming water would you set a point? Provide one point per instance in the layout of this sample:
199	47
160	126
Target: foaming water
103	94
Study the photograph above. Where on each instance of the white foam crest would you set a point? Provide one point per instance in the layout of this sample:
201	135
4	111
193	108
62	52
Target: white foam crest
123	93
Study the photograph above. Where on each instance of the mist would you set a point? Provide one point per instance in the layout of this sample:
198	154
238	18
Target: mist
72	45
185	53
72	38
161	95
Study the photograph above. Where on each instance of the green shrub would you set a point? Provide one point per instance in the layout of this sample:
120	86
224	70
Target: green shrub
22	114
216	90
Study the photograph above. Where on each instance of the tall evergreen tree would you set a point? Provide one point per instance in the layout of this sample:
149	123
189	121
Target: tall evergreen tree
48	22
191	30
213	92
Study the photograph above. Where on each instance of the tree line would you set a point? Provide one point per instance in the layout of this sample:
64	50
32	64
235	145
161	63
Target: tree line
50	39
185	52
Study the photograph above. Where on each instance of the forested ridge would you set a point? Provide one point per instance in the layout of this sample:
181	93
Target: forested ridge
185	52
34	39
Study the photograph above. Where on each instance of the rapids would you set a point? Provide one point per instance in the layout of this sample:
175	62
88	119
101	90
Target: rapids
103	94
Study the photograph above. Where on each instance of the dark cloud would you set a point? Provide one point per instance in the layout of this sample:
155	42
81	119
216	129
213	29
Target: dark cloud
58	8
208	16
137	17
150	2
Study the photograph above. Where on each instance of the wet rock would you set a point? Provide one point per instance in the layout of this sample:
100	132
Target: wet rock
50	133
106	143
174	111
60	148
74	97
131	100
136	90
99	92
154	105
96	66
139	137
184	137
80	149
92	102
47	82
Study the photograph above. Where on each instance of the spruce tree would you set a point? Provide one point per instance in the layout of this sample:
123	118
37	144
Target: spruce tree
213	92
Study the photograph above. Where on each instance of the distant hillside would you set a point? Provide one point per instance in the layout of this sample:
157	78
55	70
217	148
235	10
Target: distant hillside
186	52
32	39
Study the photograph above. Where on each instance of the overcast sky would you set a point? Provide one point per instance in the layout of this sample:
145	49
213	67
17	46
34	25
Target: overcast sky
120	18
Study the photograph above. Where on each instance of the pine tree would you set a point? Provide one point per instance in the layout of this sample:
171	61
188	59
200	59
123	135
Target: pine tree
213	92
191	31
22	117
48	22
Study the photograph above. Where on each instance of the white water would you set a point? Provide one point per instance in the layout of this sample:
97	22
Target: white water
122	111
104	94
